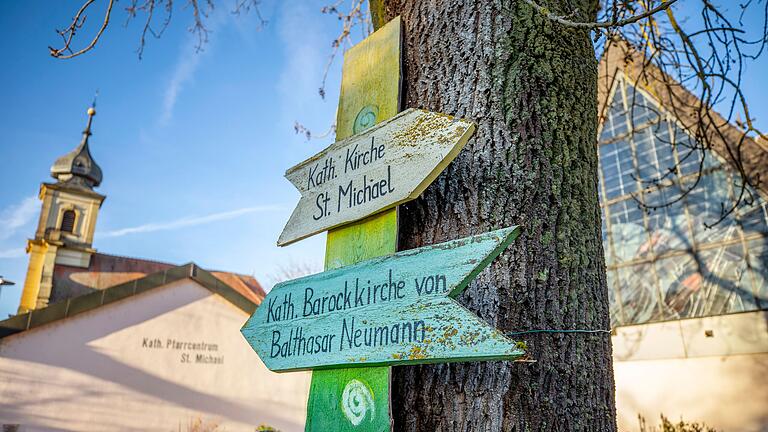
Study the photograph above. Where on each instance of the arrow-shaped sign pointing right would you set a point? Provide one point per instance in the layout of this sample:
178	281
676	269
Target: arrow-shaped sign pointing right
393	310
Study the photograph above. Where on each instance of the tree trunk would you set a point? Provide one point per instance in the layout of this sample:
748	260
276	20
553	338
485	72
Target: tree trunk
530	85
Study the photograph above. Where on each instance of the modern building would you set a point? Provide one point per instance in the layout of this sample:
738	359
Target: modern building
109	343
688	295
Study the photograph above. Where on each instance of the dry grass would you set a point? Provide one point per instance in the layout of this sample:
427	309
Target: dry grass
668	426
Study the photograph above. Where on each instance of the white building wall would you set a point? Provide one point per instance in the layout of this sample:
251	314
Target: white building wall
114	369
727	393
712	370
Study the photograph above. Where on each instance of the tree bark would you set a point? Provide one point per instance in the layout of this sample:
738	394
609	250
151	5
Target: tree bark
530	85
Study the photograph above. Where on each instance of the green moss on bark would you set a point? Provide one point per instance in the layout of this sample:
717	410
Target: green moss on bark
531	87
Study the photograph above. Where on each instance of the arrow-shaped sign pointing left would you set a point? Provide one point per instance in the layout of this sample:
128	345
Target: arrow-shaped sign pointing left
378	169
393	310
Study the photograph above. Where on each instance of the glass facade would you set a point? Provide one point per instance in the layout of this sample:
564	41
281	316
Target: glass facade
663	262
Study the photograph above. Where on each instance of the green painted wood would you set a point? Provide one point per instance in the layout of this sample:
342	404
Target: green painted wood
349	400
371	237
370	83
391	310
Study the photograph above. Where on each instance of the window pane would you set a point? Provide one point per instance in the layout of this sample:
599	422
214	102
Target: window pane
690	156
655	160
615	122
668	224
710	282
639	296
679	279
727	286
668	196
753	218
758	269
640	107
619	115
606	133
628	234
706	203
647	164
615	310
618	172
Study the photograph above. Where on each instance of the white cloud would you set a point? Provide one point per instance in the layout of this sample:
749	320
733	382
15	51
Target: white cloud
189	61
18	216
189	221
183	73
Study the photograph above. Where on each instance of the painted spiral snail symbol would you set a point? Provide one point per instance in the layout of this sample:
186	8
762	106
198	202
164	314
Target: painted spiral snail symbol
357	401
365	118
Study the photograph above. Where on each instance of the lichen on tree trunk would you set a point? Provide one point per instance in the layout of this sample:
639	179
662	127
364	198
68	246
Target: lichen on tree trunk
530	86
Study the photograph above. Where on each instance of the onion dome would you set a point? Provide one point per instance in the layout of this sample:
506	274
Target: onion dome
77	168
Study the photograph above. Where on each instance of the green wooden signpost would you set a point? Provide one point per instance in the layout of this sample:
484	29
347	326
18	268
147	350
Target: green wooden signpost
393	310
372	307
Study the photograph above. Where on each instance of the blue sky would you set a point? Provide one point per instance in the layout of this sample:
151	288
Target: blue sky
193	146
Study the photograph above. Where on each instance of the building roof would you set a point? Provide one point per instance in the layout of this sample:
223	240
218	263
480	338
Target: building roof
105	271
77	168
83	303
620	58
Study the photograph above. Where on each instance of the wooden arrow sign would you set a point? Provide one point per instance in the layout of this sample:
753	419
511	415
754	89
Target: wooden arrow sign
378	169
393	310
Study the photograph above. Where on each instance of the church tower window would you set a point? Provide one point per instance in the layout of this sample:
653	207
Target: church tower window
68	221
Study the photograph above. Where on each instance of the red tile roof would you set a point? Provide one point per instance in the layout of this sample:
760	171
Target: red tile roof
245	285
106	271
97	298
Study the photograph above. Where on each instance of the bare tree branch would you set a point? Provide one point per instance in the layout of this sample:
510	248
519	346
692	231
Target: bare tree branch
694	73
697	64
292	270
357	15
300	129
614	22
77	22
200	11
245	6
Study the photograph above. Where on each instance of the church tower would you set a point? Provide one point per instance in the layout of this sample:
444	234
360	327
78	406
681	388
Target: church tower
67	221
